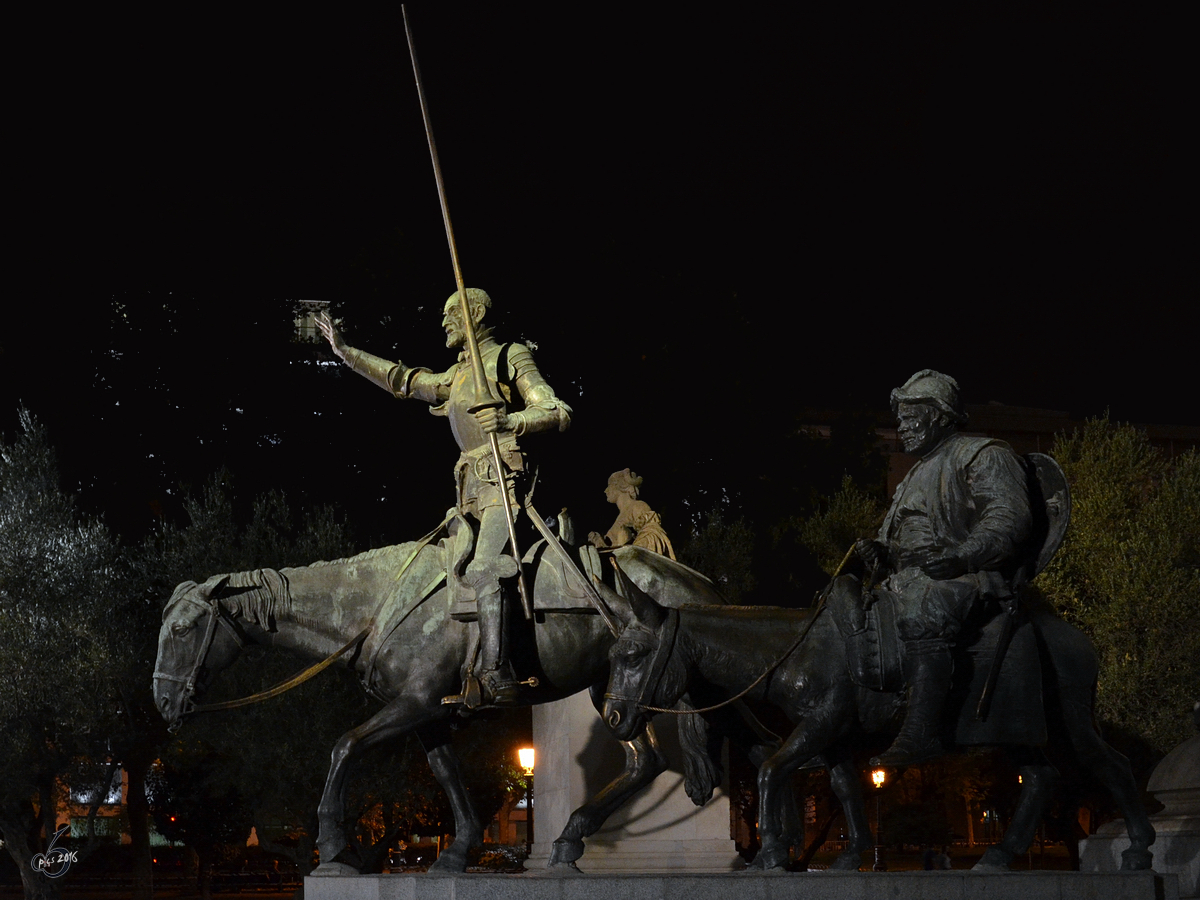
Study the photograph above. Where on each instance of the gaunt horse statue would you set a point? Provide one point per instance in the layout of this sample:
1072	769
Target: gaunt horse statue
390	611
715	653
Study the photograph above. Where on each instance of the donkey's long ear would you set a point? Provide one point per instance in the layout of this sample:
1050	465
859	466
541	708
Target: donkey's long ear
648	613
616	604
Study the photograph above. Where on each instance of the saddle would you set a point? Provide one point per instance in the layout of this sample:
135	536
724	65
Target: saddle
554	588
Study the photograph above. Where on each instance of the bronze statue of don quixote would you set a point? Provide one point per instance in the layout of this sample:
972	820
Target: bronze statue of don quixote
942	641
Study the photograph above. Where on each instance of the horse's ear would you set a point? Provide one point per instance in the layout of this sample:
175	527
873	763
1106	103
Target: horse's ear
213	585
645	610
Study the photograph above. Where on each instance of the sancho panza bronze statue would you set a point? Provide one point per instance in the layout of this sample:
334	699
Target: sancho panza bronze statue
530	405
953	537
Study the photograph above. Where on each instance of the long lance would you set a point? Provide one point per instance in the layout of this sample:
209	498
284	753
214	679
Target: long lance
484	399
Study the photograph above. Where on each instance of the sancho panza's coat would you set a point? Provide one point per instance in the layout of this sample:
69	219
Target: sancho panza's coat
968	496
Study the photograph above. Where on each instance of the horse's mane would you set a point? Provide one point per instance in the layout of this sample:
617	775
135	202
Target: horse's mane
257	594
361	557
270	589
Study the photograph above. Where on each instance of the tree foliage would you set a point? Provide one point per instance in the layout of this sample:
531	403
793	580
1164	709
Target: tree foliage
724	551
848	515
61	647
1128	574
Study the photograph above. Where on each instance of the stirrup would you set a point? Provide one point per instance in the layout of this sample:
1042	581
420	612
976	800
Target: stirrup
471	696
486	692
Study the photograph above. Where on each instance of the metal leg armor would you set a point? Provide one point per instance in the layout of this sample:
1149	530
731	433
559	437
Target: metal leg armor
496	683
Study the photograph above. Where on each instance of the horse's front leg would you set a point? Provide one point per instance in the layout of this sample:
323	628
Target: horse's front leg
393	720
813	735
468	829
644	761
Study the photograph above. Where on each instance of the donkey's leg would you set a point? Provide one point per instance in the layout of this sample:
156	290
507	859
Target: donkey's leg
644	761
843	778
812	736
395	719
1113	771
1037	779
468	829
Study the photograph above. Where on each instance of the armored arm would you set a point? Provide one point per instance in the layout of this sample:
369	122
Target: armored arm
543	410
391	376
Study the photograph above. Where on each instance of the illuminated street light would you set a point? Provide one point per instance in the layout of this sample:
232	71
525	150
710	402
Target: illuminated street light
525	755
878	777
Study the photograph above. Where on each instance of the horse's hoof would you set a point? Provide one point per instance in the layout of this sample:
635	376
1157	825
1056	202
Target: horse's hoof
848	861
771	859
334	869
565	850
1136	860
561	870
993	860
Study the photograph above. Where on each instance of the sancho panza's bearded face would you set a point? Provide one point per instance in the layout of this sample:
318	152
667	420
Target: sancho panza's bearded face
921	427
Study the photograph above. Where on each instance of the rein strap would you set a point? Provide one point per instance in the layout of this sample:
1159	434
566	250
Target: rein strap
285	686
775	665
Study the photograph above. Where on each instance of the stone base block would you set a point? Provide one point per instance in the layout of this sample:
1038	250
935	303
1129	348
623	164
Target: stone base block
628	857
1176	849
751	886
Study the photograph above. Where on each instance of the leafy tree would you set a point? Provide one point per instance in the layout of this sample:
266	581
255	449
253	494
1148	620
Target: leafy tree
1128	574
61	647
845	517
724	551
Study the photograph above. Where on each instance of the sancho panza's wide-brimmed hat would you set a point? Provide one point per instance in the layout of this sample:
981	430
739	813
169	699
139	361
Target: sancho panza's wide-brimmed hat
928	386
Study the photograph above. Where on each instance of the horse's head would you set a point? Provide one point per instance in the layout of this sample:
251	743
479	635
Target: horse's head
191	647
639	660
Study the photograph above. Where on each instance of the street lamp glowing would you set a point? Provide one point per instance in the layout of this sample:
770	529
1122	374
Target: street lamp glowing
878	777
525	755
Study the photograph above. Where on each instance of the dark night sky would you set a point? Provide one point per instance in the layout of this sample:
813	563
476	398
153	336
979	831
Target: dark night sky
703	221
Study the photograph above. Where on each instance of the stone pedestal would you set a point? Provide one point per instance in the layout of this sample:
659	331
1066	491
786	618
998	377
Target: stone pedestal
956	885
1176	848
658	831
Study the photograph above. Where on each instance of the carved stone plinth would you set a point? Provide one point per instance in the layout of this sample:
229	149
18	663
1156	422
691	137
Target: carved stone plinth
660	830
956	885
1176	785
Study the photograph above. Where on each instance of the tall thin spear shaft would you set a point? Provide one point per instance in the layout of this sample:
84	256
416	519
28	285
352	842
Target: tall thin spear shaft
483	395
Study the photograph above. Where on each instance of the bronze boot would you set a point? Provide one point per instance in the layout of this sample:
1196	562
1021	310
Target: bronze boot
919	739
497	681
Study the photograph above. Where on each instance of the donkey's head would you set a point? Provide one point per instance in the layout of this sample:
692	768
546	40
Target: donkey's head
640	662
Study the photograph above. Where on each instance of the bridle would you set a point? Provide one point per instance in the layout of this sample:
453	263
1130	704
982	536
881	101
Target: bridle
664	645
657	667
217	613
